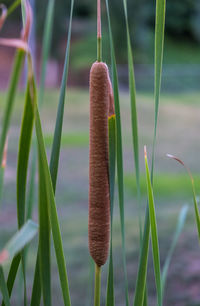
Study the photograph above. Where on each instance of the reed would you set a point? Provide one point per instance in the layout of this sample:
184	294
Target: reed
99	197
105	158
101	108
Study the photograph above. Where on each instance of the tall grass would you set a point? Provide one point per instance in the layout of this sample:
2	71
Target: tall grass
106	163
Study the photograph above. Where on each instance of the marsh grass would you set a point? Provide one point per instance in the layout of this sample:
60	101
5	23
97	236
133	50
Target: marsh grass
15	251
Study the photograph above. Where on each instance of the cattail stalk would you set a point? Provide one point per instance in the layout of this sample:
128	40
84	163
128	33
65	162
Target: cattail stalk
99	196
99	37
97	291
101	107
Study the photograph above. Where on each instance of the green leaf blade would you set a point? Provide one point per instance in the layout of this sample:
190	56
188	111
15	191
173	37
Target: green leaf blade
23	157
179	228
54	161
110	298
159	46
158	62
44	238
154	234
47	38
19	240
17	67
118	151
52	210
4	289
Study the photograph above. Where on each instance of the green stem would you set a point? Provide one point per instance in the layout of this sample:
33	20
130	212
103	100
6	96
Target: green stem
99	37
4	289
97	289
13	6
99	49
19	58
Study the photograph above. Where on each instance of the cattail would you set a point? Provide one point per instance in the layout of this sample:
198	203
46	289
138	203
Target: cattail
99	197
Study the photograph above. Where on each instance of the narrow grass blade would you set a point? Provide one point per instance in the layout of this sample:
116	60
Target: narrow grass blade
132	89
134	122
179	228
12	274
17	67
110	298
159	45
47	38
119	151
18	62
18	241
23	157
36	290
31	189
13	7
112	160
58	129
44	238
60	112
139	296
44	226
4	289
22	169
196	209
154	233
52	211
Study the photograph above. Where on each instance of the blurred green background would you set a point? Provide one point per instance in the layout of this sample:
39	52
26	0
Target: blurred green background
182	41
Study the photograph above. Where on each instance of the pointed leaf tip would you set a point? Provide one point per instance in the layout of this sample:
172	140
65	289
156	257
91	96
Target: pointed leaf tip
175	158
182	163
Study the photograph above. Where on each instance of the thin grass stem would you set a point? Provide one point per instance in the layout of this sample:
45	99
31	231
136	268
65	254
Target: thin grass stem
4	289
13	7
99	36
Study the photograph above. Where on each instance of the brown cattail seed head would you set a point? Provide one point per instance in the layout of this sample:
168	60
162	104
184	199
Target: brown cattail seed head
99	196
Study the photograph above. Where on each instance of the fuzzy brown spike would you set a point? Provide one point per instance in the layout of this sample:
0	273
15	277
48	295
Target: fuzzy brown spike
99	197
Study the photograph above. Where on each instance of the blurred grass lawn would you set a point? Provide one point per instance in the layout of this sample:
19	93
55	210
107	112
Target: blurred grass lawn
178	133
